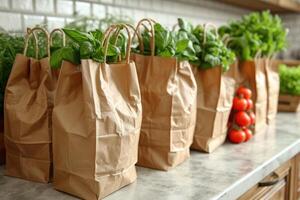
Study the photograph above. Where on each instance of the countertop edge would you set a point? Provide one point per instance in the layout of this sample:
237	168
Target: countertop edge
241	186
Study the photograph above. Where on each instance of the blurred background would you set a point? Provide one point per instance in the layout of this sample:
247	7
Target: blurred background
17	15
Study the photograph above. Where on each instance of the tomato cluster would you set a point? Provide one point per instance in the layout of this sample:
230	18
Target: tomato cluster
242	118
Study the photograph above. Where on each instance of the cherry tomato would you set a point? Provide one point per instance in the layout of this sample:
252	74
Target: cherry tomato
252	117
242	118
239	104
249	104
244	92
236	136
248	134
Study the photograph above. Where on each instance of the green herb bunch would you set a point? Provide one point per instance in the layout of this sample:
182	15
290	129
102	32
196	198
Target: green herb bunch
168	44
88	45
255	33
289	80
210	51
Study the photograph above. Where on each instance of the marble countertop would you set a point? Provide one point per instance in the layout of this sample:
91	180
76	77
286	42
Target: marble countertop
227	173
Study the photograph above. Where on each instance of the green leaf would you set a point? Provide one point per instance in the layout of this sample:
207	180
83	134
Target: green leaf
65	53
78	36
86	50
181	45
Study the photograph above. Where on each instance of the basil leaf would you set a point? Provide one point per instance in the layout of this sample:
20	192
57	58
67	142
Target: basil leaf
64	53
78	36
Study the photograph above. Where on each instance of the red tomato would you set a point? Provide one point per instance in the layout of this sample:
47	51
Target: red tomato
248	134
239	104
244	92
252	117
236	136
242	119
249	104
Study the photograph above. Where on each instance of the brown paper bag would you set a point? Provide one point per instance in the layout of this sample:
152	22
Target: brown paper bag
2	146
168	91
27	117
214	101
254	77
273	84
96	125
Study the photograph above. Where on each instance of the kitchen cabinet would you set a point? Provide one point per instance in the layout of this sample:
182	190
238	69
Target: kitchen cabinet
297	176
282	184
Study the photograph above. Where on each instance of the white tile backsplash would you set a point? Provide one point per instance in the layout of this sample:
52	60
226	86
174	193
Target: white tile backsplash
165	11
22	5
55	22
32	20
114	11
82	8
65	7
99	10
4	4
44	6
10	21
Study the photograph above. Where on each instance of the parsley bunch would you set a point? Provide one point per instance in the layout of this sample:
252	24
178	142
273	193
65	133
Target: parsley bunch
256	32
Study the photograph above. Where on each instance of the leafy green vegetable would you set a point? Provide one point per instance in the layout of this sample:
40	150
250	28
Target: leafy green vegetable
256	32
289	80
79	37
188	44
168	44
208	48
64	53
89	46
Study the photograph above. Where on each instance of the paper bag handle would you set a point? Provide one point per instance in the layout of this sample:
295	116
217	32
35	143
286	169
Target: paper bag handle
117	33
205	26
31	31
152	41
62	33
108	33
135	34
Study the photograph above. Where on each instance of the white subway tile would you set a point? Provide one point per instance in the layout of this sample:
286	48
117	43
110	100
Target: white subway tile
114	11
148	4
138	15
135	3
33	20
55	22
127	12
11	22
83	8
157	4
107	1
4	4
69	20
99	11
65	7
121	2
22	5
44	6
